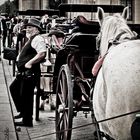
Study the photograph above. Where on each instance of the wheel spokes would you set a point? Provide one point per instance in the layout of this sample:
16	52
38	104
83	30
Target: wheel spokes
64	105
63	126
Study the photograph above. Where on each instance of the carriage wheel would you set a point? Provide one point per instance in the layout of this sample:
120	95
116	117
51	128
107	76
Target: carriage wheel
64	104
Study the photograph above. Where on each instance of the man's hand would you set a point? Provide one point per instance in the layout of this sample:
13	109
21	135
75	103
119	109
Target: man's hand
35	60
28	65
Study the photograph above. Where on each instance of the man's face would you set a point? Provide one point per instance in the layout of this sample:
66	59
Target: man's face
31	30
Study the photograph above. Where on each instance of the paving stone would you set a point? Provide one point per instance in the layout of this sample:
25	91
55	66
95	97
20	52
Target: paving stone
4	99
6	125
43	129
5	114
7	128
8	136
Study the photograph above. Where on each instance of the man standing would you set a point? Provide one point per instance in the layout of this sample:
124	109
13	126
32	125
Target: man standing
4	28
28	65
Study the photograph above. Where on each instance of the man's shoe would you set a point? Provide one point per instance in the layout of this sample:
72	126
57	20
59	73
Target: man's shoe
18	116
27	124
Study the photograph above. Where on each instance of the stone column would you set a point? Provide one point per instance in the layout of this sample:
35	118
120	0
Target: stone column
36	4
107	1
136	11
29	4
45	4
25	4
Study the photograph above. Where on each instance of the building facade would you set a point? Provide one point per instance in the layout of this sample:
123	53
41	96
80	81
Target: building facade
44	4
33	4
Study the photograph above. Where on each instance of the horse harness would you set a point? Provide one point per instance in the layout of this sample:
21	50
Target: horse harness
111	42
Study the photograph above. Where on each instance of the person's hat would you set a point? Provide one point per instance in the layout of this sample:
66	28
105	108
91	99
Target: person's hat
34	22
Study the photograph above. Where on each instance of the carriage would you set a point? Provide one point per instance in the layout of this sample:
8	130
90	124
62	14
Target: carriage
72	78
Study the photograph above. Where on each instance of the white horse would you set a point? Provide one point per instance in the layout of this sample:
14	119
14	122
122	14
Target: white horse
117	87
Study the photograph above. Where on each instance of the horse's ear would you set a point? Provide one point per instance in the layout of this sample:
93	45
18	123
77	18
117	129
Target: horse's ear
100	13
125	13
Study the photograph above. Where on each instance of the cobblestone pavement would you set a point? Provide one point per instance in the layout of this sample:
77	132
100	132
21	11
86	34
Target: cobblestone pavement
7	129
45	128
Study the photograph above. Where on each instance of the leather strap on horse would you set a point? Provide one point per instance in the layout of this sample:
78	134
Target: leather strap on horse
100	60
117	38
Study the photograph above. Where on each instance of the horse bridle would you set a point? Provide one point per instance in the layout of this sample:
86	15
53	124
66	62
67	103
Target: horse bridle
114	41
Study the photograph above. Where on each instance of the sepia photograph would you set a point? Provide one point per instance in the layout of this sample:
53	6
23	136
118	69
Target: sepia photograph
69	70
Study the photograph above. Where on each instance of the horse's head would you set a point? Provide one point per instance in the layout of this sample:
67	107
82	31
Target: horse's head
113	28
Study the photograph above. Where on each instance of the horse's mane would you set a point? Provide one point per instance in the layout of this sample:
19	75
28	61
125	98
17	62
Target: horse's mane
112	27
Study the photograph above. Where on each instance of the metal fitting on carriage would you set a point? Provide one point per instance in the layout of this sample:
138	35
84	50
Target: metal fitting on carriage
61	108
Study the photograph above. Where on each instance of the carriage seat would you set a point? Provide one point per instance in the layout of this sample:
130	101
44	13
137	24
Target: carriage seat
87	53
65	27
84	41
81	20
86	26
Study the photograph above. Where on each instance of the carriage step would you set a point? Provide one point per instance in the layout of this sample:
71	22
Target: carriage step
45	74
48	92
83	108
